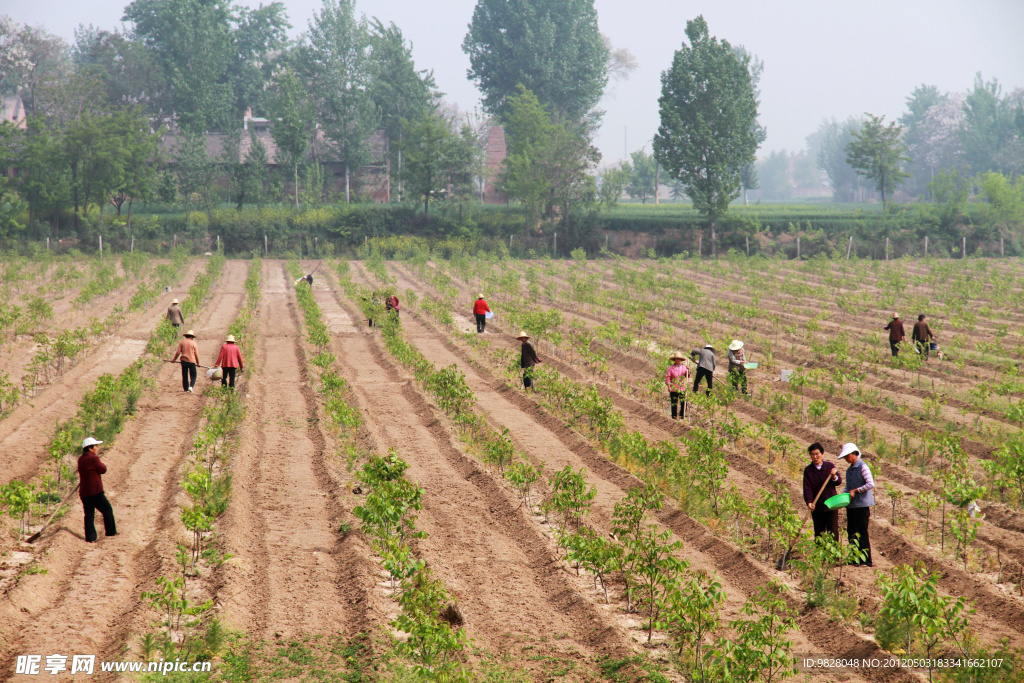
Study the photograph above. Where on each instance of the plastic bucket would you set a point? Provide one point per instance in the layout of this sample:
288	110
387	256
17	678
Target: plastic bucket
489	314
750	366
214	374
838	501
934	346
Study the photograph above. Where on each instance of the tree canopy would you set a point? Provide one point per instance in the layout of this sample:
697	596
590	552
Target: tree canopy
708	126
878	153
551	47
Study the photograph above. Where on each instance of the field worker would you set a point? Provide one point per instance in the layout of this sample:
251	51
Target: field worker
922	336
229	360
676	378
896	334
480	311
391	304
174	315
527	359
189	353
737	366
705	366
307	278
815	476
859	484
90	478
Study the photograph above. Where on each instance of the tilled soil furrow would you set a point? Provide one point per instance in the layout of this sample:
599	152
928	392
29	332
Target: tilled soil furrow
25	433
479	539
291	576
83	603
738	572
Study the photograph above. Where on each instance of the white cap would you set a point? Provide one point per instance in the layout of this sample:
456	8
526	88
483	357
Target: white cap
174	301
89	441
847	449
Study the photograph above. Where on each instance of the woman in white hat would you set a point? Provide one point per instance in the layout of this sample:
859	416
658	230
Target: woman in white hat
737	366
480	311
189	353
527	359
676	378
90	489
860	485
229	359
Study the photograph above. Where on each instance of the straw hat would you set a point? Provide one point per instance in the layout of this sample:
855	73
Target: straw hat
174	301
676	354
895	316
735	345
230	338
190	333
480	296
522	335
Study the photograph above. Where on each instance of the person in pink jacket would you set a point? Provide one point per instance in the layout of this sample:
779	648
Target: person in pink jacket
229	360
676	378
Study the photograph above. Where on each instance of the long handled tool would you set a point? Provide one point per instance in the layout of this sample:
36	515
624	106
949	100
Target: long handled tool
178	362
781	564
36	535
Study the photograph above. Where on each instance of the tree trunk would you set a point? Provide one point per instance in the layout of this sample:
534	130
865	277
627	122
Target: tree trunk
297	185
657	170
130	201
711	226
348	196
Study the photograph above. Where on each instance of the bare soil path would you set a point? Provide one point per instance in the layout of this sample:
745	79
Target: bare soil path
292	573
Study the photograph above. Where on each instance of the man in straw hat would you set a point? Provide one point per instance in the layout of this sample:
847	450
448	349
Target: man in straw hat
480	311
174	315
737	366
896	334
90	477
705	366
860	485
229	360
675	378
527	359
189	353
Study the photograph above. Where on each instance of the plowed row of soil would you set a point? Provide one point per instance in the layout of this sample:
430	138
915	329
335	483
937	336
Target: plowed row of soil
1008	617
547	440
89	600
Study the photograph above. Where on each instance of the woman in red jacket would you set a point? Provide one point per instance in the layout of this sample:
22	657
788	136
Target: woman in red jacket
90	478
480	311
229	360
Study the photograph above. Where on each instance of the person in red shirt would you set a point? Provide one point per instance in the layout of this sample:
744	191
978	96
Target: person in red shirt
229	360
391	304
90	477
480	311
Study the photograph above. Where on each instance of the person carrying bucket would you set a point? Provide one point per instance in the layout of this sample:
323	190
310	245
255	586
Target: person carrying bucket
922	336
480	311
229	360
860	485
676	377
737	366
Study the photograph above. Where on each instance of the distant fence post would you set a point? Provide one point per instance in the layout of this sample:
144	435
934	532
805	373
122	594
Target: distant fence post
798	248
700	239
963	247
886	248
849	247
926	245
264	244
101	245
747	239
132	250
47	244
554	245
1001	253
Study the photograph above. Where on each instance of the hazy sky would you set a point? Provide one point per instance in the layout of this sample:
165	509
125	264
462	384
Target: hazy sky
822	58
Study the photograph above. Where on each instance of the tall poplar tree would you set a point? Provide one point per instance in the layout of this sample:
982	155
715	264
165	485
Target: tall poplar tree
708	127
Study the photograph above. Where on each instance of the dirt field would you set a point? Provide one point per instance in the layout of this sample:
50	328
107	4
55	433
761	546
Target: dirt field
299	588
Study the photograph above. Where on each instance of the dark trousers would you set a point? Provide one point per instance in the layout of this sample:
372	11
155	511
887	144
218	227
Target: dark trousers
676	398
228	378
481	322
91	505
701	374
188	375
527	378
738	378
825	521
923	348
857	523
895	348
